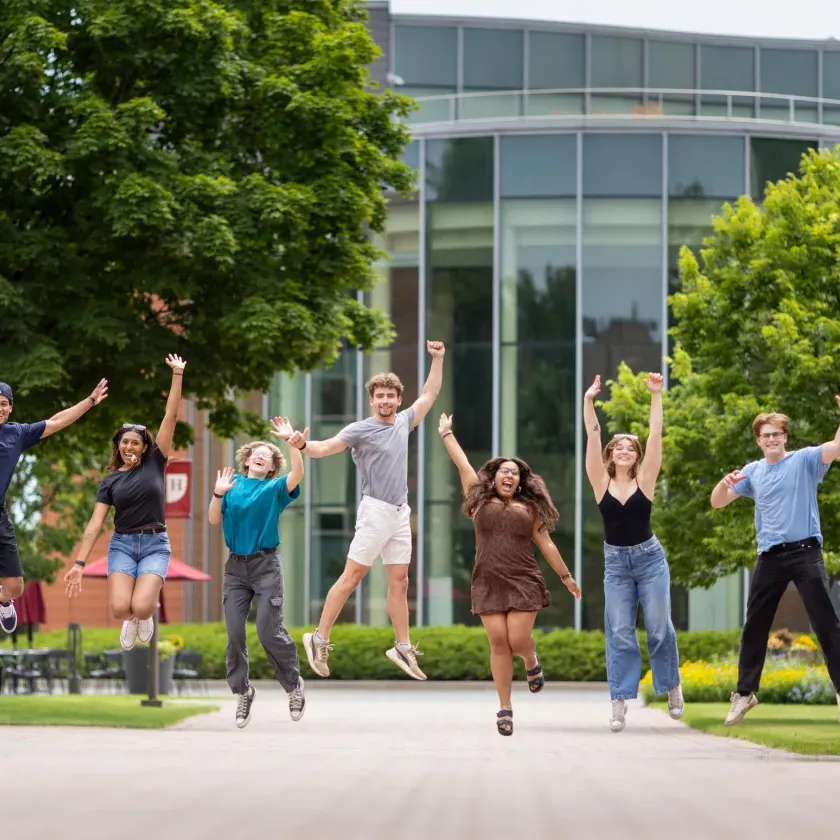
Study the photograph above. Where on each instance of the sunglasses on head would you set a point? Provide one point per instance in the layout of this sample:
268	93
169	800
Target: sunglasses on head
626	434
133	427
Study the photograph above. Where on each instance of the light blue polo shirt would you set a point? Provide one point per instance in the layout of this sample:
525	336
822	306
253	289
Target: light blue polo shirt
785	495
251	513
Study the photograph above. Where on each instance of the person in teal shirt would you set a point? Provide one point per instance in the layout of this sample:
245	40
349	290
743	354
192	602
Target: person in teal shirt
248	507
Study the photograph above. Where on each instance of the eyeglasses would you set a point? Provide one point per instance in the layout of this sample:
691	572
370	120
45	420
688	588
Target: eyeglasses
508	471
626	434
133	427
772	436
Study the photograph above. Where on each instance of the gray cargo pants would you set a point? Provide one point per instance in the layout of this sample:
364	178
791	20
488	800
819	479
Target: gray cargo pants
260	576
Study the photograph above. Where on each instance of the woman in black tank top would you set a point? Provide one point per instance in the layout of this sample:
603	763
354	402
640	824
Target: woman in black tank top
636	571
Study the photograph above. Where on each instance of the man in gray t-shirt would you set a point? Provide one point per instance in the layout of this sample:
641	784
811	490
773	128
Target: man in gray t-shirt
379	446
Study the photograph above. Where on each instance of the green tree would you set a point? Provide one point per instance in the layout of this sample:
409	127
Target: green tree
181	176
756	330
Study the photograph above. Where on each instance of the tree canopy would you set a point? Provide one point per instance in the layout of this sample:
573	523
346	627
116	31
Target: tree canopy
185	176
756	330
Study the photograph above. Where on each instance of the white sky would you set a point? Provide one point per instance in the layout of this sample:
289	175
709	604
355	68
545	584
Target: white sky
815	20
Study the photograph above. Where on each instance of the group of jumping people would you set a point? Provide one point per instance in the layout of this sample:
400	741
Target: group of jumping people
511	509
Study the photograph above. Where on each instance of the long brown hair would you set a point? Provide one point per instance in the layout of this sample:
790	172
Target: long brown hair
531	491
608	459
116	460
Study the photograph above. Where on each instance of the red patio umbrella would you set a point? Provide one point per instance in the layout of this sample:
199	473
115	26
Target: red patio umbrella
30	606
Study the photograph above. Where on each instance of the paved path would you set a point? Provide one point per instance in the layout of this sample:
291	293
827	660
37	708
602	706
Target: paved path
393	764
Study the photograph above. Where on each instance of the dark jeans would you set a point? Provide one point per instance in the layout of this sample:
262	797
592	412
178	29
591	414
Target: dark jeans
10	566
257	576
803	567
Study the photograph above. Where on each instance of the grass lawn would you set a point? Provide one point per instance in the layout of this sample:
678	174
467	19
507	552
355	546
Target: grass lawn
121	711
810	730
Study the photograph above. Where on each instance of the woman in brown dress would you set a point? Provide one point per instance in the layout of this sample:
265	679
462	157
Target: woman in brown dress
511	509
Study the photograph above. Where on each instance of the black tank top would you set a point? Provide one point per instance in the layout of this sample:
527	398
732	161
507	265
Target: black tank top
628	523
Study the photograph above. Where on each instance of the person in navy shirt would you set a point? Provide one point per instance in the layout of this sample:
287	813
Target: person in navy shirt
248	506
15	439
783	486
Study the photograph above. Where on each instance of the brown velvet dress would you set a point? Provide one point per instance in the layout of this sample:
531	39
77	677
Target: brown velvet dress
506	574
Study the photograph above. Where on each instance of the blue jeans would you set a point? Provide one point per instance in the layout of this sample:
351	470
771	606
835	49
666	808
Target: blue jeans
139	554
633	575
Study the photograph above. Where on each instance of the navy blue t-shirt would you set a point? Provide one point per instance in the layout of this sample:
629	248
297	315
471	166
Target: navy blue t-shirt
15	439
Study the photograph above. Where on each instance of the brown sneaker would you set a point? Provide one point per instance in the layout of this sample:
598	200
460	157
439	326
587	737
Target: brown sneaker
406	658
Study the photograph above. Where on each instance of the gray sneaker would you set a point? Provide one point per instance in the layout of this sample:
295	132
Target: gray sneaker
619	710
676	704
243	707
406	659
317	653
740	706
297	701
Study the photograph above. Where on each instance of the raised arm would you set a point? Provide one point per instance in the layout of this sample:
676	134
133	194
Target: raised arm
652	462
831	450
73	578
724	492
225	479
280	427
458	456
173	403
596	472
431	388
70	415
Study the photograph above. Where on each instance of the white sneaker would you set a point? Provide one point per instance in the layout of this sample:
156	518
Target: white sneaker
8	616
145	629
317	653
740	706
676	704
128	634
838	707
297	701
406	658
619	710
243	707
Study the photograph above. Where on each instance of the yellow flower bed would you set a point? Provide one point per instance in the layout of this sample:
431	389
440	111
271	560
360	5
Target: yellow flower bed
781	682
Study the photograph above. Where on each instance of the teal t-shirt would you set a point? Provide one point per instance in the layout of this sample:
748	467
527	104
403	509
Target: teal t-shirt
251	511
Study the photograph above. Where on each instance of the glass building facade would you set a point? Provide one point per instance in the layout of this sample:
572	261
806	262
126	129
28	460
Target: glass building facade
560	170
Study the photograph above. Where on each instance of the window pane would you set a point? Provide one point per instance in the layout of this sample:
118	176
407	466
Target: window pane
705	165
773	159
411	155
622	313
538	165
671	66
460	313
616	63
622	164
727	69
492	59
831	86
459	170
436	104
538	410
426	56
556	60
789	72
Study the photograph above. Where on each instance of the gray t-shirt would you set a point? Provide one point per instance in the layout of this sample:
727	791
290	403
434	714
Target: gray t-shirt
380	451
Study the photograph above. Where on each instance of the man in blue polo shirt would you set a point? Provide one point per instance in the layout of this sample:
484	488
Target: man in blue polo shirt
15	439
248	506
787	522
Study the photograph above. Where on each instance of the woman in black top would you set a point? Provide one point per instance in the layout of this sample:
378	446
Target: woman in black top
139	551
636	571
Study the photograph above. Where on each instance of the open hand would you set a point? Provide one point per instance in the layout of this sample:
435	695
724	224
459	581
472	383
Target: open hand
73	581
436	349
225	479
281	427
444	424
594	389
573	587
176	363
100	392
653	382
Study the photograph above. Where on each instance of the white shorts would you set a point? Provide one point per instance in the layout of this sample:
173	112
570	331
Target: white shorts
381	529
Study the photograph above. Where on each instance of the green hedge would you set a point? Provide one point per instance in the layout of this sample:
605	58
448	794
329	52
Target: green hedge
450	653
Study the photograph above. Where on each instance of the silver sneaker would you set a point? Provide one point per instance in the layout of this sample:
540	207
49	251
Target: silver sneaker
297	701
619	710
317	653
740	706
243	707
676	704
145	629
128	634
406	658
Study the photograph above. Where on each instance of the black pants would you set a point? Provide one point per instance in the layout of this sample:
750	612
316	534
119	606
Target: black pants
10	566
804	568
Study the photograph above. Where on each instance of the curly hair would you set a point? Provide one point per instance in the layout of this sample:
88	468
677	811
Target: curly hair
244	453
531	490
384	380
608	459
115	460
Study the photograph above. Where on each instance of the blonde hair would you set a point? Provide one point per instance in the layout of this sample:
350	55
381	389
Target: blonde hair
384	380
774	419
277	459
607	454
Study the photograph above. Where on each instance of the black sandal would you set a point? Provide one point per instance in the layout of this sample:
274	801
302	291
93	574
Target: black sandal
536	684
504	722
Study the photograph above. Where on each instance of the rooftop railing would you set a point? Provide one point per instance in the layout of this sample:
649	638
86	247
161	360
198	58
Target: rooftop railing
650	104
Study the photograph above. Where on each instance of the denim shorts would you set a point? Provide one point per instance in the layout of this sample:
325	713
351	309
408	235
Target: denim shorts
139	554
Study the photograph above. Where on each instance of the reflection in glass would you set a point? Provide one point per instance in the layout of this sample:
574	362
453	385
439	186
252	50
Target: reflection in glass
727	69
538	311
538	165
672	66
831	85
704	166
556	61
622	164
616	63
773	160
414	47
791	72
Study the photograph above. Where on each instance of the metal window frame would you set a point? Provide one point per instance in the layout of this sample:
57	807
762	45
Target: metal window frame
496	399
420	565
579	375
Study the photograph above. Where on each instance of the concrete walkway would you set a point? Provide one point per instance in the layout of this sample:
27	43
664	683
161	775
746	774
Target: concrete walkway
394	764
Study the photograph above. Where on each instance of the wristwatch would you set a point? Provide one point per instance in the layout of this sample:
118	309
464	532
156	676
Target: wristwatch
80	563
